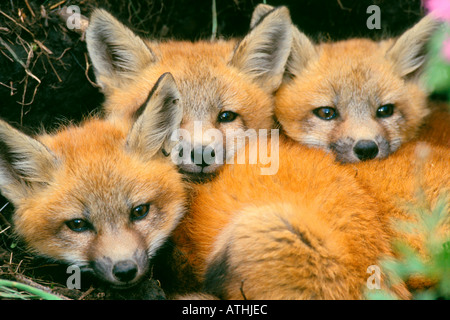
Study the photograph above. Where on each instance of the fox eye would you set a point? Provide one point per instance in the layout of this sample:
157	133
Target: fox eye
227	116
78	225
385	111
325	113
139	212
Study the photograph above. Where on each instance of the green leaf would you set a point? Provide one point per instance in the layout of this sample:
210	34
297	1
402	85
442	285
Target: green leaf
380	295
33	291
437	73
426	295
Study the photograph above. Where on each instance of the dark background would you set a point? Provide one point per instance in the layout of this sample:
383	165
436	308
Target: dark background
65	92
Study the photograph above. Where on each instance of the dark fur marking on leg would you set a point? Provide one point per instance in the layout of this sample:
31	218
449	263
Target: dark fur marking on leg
217	275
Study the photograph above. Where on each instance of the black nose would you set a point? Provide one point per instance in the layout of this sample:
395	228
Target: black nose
365	149
203	156
125	270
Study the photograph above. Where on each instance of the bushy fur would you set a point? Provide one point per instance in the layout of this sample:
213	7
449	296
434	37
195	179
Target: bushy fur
96	174
308	232
213	77
355	78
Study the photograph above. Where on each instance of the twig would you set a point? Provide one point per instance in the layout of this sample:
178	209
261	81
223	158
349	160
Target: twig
1	209
342	6
41	45
57	4
18	60
87	71
214	20
85	294
18	266
1	231
54	70
10	59
23	97
3	220
29	8
62	54
17	23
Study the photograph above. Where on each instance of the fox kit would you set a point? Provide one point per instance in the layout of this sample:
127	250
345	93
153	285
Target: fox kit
225	85
397	179
312	230
308	232
358	98
100	196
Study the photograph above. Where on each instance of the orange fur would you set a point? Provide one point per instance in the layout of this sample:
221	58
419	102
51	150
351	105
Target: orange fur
213	77
308	232
395	183
210	78
357	80
436	129
100	195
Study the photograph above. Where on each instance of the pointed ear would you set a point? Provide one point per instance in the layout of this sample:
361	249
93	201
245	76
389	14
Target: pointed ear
116	53
157	119
302	51
25	163
261	10
408	53
263	53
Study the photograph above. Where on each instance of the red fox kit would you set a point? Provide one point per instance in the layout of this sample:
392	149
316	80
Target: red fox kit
308	232
225	85
358	98
100	196
312	230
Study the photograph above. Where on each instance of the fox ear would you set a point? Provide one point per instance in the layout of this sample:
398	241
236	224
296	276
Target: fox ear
116	52
263	52
302	51
408	53
157	119
261	10
25	163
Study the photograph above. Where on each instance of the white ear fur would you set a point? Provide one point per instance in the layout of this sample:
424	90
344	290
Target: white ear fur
302	47
116	52
302	51
263	53
157	119
260	11
25	163
408	53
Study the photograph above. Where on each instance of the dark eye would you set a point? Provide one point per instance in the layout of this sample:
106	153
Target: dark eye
325	113
227	116
385	111
78	225
139	212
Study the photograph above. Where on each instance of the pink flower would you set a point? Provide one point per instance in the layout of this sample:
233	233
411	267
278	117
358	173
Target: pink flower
439	8
446	49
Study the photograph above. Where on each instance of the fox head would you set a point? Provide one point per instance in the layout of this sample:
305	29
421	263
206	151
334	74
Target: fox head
224	85
358	98
100	196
